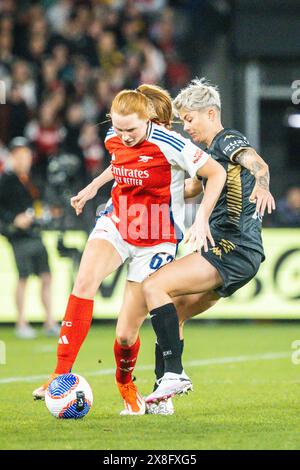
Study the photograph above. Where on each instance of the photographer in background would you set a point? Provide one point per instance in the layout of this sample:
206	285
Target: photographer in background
19	201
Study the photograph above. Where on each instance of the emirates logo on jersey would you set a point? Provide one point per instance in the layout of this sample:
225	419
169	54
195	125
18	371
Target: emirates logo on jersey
130	176
130	172
198	155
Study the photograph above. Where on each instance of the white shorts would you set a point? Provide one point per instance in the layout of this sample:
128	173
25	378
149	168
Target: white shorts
142	261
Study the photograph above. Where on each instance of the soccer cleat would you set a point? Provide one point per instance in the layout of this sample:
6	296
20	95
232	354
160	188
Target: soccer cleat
39	393
164	407
170	385
53	330
134	403
25	332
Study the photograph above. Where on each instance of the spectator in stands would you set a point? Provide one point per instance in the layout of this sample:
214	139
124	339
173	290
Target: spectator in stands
92	149
48	81
6	49
7	24
104	95
7	6
17	113
18	196
57	53
21	78
74	121
58	14
154	66
60	54
3	158
108	53
288	209
46	134
36	50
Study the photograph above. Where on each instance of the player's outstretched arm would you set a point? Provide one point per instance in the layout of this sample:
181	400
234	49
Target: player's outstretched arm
199	233
261	196
78	202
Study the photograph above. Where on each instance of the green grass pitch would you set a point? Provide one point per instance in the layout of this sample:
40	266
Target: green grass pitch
246	393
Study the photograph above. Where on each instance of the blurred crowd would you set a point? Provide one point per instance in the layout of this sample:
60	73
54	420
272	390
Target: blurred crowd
61	64
62	61
287	212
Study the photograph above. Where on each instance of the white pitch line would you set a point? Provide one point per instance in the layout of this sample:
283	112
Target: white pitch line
196	363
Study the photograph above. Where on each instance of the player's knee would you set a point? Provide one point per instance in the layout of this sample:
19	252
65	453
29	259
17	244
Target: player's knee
123	338
84	287
46	279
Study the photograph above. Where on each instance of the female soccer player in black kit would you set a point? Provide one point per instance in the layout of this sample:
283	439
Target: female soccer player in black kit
212	271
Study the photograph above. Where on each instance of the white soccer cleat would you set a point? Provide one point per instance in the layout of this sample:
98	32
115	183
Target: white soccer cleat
127	412
25	332
165	408
39	393
53	330
170	385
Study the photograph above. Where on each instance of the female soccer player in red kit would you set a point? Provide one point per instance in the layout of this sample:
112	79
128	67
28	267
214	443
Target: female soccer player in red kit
143	225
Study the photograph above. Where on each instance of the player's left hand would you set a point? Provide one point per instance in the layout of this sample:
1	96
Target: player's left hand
263	199
78	202
199	234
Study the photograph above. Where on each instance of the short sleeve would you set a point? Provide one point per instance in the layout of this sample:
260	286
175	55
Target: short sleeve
231	143
179	150
194	158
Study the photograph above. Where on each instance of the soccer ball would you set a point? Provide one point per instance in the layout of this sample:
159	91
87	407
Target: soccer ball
69	396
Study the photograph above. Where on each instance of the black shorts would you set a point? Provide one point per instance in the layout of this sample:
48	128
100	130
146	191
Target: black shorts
31	257
237	265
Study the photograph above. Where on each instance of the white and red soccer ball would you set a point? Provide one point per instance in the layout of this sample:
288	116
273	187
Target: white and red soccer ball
69	396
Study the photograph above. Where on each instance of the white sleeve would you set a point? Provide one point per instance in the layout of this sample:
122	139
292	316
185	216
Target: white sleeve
193	157
179	151
190	157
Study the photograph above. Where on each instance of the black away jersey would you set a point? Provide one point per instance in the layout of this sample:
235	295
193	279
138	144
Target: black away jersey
234	216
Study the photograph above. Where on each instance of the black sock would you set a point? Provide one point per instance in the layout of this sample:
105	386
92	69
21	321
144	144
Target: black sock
166	326
159	365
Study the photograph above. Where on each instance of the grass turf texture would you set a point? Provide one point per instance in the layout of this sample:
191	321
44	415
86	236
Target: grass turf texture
252	404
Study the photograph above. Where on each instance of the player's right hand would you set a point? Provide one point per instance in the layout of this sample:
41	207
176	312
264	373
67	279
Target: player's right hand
263	200
199	233
78	202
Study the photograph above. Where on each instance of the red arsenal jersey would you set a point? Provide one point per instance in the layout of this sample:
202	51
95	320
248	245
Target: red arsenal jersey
148	195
